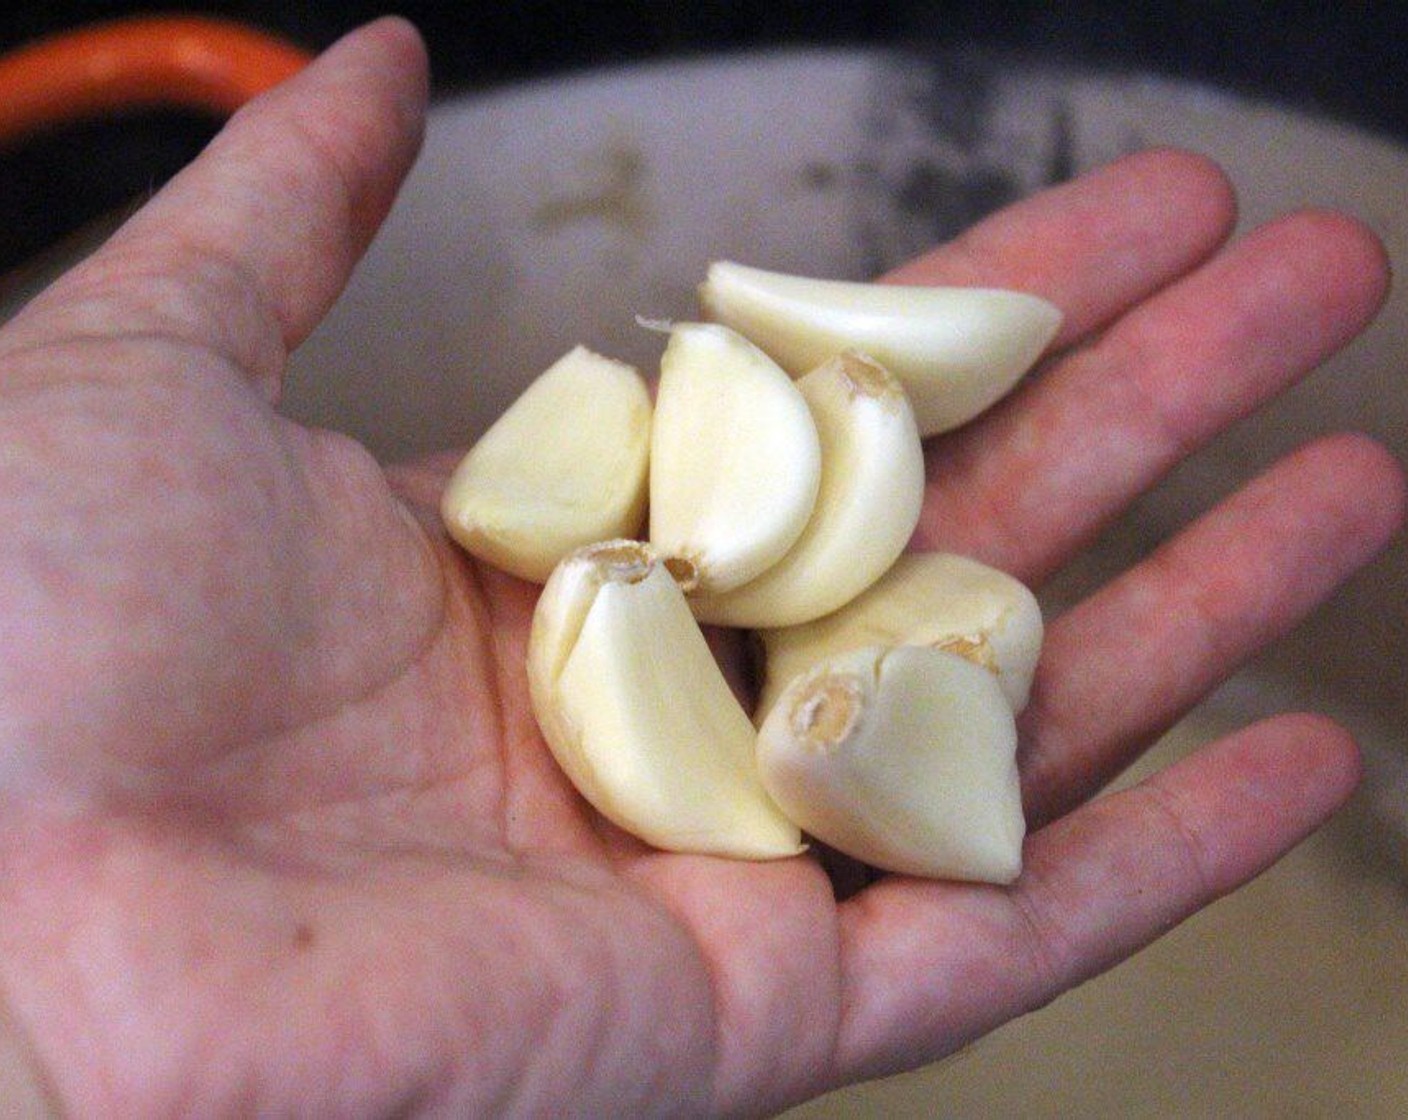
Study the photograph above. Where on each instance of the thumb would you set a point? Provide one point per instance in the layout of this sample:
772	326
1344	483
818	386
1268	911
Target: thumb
245	250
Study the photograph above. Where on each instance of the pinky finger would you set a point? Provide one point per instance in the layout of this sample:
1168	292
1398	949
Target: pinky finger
1111	877
1097	886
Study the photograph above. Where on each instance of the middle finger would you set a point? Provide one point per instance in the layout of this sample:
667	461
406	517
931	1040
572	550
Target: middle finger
1029	484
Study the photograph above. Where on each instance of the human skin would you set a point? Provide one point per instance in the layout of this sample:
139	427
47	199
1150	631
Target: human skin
277	830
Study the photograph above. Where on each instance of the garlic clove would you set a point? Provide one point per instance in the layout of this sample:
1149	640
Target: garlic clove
926	599
957	350
735	460
871	491
557	622
564	466
904	758
638	714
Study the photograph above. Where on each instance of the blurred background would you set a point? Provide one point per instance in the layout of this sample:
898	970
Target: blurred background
1343	60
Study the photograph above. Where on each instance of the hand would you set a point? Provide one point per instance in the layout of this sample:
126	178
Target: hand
277	830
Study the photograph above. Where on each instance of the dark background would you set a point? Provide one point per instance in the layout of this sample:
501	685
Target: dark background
1344	60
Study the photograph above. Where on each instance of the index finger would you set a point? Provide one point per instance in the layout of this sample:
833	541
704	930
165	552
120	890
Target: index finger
1096	245
1170	337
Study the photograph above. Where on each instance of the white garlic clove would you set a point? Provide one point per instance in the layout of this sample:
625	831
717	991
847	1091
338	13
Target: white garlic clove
872	488
735	460
957	350
564	466
926	599
904	758
638	714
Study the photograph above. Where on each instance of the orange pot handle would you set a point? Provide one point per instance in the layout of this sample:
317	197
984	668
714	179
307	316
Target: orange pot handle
190	62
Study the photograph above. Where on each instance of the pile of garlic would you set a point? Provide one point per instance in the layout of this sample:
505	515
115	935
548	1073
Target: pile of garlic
886	725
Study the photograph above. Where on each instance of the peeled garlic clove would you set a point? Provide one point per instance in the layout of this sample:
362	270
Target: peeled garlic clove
872	487
638	714
926	599
904	758
564	466
957	350
734	459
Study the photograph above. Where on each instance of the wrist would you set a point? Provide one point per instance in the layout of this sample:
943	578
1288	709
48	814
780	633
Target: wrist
24	1090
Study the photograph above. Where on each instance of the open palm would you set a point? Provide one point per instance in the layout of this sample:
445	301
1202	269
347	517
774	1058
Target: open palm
277	830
